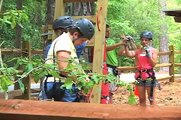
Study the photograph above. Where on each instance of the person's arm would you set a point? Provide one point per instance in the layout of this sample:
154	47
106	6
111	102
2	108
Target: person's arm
62	60
154	57
127	52
121	51
112	47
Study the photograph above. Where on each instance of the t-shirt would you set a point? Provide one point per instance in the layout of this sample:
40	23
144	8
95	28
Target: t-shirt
63	42
111	55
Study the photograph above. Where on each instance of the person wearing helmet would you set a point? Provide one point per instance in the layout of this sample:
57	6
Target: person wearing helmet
145	59
112	51
60	25
63	48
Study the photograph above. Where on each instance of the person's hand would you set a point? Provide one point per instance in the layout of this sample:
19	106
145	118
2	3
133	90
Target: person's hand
124	39
129	38
148	53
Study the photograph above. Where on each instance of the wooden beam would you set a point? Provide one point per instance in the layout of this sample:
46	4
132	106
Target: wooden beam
163	65
177	19
173	13
59	11
49	110
177	64
11	94
99	47
176	13
164	78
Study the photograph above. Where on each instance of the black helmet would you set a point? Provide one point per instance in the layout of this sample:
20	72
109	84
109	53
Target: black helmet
85	26
62	22
146	34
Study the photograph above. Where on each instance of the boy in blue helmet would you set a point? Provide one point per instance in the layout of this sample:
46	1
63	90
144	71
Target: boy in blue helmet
63	49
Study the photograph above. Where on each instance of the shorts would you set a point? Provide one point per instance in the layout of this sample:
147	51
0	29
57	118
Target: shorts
147	83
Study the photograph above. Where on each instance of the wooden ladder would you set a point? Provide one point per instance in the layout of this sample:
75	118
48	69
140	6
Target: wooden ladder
100	20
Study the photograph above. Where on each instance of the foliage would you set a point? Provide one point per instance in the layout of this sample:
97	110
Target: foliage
128	17
131	17
37	68
13	17
30	21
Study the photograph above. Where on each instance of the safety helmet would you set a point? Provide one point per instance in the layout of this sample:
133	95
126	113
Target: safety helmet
146	34
85	27
62	22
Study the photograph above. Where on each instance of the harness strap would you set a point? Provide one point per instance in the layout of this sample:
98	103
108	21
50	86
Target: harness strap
46	80
152	76
114	68
104	97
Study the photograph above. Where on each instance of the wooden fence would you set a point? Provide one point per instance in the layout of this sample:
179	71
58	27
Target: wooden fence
26	51
44	110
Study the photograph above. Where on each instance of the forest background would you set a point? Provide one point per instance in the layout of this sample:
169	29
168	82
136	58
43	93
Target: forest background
22	20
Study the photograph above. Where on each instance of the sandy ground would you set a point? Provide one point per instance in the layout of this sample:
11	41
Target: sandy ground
169	95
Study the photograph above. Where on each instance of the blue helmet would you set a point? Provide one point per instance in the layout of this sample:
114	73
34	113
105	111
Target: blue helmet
62	22
85	27
146	34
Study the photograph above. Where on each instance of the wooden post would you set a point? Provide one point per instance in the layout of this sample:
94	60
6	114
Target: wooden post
59	11
172	61
99	47
26	52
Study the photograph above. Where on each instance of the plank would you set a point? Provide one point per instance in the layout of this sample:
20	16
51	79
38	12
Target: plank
46	110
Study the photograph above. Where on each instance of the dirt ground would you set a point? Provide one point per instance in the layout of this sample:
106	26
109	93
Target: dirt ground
169	95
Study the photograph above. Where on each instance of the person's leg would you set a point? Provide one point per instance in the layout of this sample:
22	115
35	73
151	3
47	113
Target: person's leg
142	95
140	84
150	83
152	101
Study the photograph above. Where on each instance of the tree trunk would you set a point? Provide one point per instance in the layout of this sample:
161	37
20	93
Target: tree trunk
80	9
163	37
50	11
18	37
50	8
38	13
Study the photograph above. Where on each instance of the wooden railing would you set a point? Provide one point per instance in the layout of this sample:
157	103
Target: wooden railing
26	51
171	74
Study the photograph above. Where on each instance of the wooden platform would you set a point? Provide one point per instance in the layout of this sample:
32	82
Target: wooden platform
49	110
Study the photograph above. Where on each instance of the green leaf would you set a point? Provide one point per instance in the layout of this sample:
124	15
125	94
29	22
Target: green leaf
39	75
21	85
28	67
5	82
13	23
54	74
68	83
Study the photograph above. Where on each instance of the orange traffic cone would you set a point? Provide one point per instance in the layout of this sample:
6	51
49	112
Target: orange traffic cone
136	91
